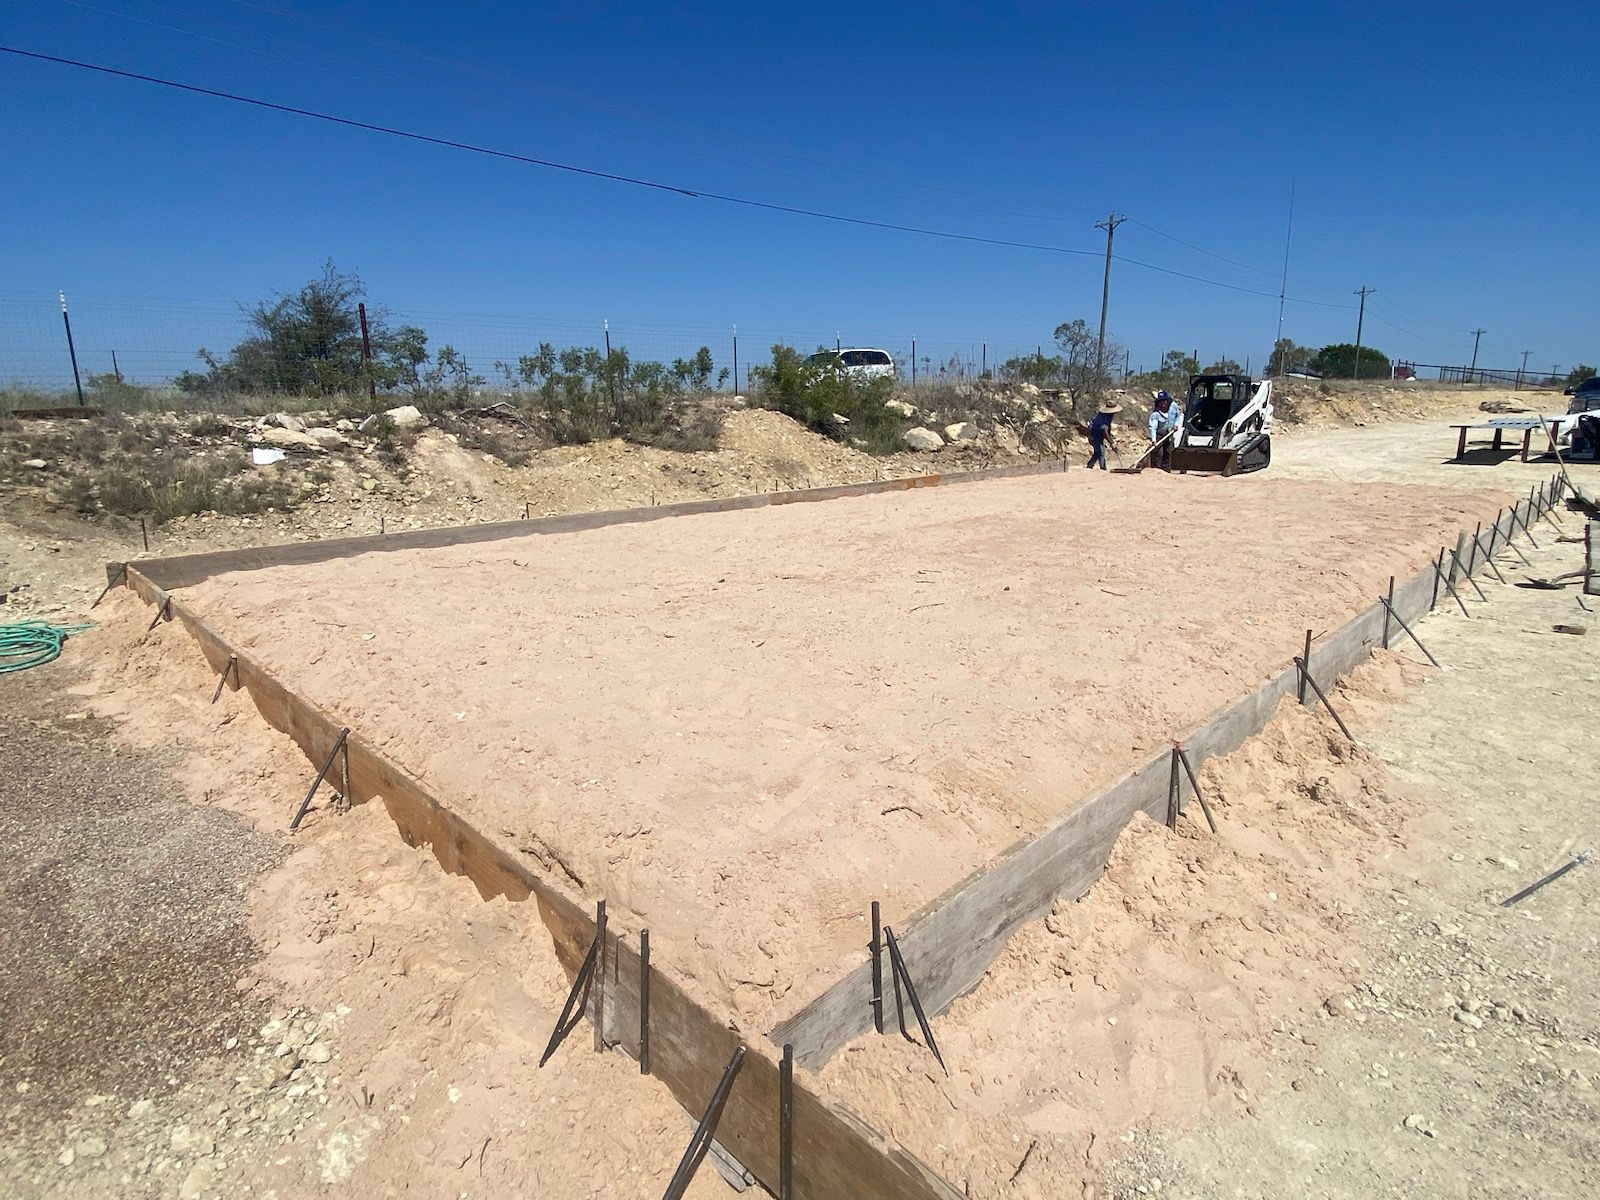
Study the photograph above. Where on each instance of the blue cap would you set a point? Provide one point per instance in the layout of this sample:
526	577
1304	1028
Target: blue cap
1162	395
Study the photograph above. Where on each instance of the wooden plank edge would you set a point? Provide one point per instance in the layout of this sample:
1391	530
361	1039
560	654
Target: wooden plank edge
842	1011
185	570
837	1156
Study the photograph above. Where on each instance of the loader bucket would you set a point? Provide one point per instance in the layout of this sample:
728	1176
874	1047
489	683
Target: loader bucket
1205	461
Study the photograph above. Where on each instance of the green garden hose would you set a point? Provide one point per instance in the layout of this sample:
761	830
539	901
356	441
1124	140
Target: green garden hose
32	644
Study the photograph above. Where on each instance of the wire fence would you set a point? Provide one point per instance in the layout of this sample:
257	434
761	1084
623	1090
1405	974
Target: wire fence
152	342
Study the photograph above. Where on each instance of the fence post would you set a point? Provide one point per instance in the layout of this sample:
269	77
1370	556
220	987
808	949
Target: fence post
736	359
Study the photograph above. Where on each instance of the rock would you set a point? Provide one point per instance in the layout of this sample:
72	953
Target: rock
289	439
328	439
139	1108
345	425
1468	1019
1028	389
37	464
90	1147
67	1157
1041	416
317	1053
369	484
196	1182
923	439
901	407
406	416
961	431
1414	1121
282	421
190	1143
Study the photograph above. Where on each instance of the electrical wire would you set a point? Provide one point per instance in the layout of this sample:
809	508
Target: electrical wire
635	181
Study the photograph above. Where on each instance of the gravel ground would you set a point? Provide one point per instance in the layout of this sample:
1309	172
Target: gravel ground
122	927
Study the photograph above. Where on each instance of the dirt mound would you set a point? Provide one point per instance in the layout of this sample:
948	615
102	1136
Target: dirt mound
1151	999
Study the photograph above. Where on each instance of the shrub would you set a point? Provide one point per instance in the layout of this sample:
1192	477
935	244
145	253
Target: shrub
817	393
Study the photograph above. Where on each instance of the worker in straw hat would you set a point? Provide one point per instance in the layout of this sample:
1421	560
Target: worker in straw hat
1100	432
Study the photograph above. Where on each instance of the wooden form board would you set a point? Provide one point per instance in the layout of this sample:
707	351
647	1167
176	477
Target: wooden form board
836	1156
949	943
185	570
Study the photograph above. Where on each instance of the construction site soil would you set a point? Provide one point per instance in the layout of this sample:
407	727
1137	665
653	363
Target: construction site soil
740	728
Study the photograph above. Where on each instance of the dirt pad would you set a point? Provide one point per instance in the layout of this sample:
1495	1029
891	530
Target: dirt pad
740	728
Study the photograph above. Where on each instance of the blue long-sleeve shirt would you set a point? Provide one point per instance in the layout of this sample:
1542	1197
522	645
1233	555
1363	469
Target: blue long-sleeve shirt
1163	422
1099	427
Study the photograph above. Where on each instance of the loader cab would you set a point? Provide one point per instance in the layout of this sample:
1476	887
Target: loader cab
1213	399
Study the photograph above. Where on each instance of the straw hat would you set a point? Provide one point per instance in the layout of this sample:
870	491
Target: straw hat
1110	406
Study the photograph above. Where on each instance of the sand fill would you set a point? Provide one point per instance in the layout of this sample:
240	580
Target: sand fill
740	728
1149	1000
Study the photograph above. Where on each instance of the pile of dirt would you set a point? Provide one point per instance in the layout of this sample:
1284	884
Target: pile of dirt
1150	1000
1326	403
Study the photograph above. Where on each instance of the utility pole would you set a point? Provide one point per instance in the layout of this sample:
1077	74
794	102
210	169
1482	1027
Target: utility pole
1477	336
1110	226
71	350
1523	369
1361	317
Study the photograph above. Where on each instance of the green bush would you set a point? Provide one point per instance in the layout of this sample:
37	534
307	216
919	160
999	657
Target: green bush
817	393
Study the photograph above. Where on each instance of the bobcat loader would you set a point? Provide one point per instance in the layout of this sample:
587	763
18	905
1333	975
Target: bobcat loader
1227	426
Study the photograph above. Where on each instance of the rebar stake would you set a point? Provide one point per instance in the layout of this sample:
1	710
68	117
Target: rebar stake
578	995
898	965
704	1132
1442	577
1181	756
877	970
231	665
1306	675
644	1002
1388	606
786	1124
164	611
327	763
120	577
1391	612
1457	558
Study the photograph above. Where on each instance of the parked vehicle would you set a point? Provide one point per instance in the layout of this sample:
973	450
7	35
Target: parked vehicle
1585	397
858	361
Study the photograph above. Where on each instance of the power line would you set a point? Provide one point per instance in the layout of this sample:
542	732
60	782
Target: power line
613	177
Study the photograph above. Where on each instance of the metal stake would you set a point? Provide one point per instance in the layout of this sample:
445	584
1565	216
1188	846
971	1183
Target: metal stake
1469	577
120	577
144	532
1306	675
1413	636
704	1132
1173	804
600	1042
1488	559
231	665
1182	756
1550	878
898	965
1388	606
786	1123
644	1002
1302	674
877	970
164	611
1440	572
338	744
572	1010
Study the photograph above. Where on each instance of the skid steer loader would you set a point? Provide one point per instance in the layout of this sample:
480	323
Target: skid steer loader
1227	426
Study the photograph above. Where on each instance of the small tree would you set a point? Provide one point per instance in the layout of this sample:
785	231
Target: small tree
1288	356
1339	362
1223	366
1578	374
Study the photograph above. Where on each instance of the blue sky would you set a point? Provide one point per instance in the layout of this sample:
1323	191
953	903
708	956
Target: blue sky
1441	154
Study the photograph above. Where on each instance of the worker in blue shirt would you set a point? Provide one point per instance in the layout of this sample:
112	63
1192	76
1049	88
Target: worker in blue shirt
1100	432
1165	419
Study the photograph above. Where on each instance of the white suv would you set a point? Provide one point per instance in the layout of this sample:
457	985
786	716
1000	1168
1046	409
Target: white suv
862	363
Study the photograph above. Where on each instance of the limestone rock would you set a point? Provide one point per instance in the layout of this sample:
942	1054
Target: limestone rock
923	439
961	431
900	407
289	439
328	439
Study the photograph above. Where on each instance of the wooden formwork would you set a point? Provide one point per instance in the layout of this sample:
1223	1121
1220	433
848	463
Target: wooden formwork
948	944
